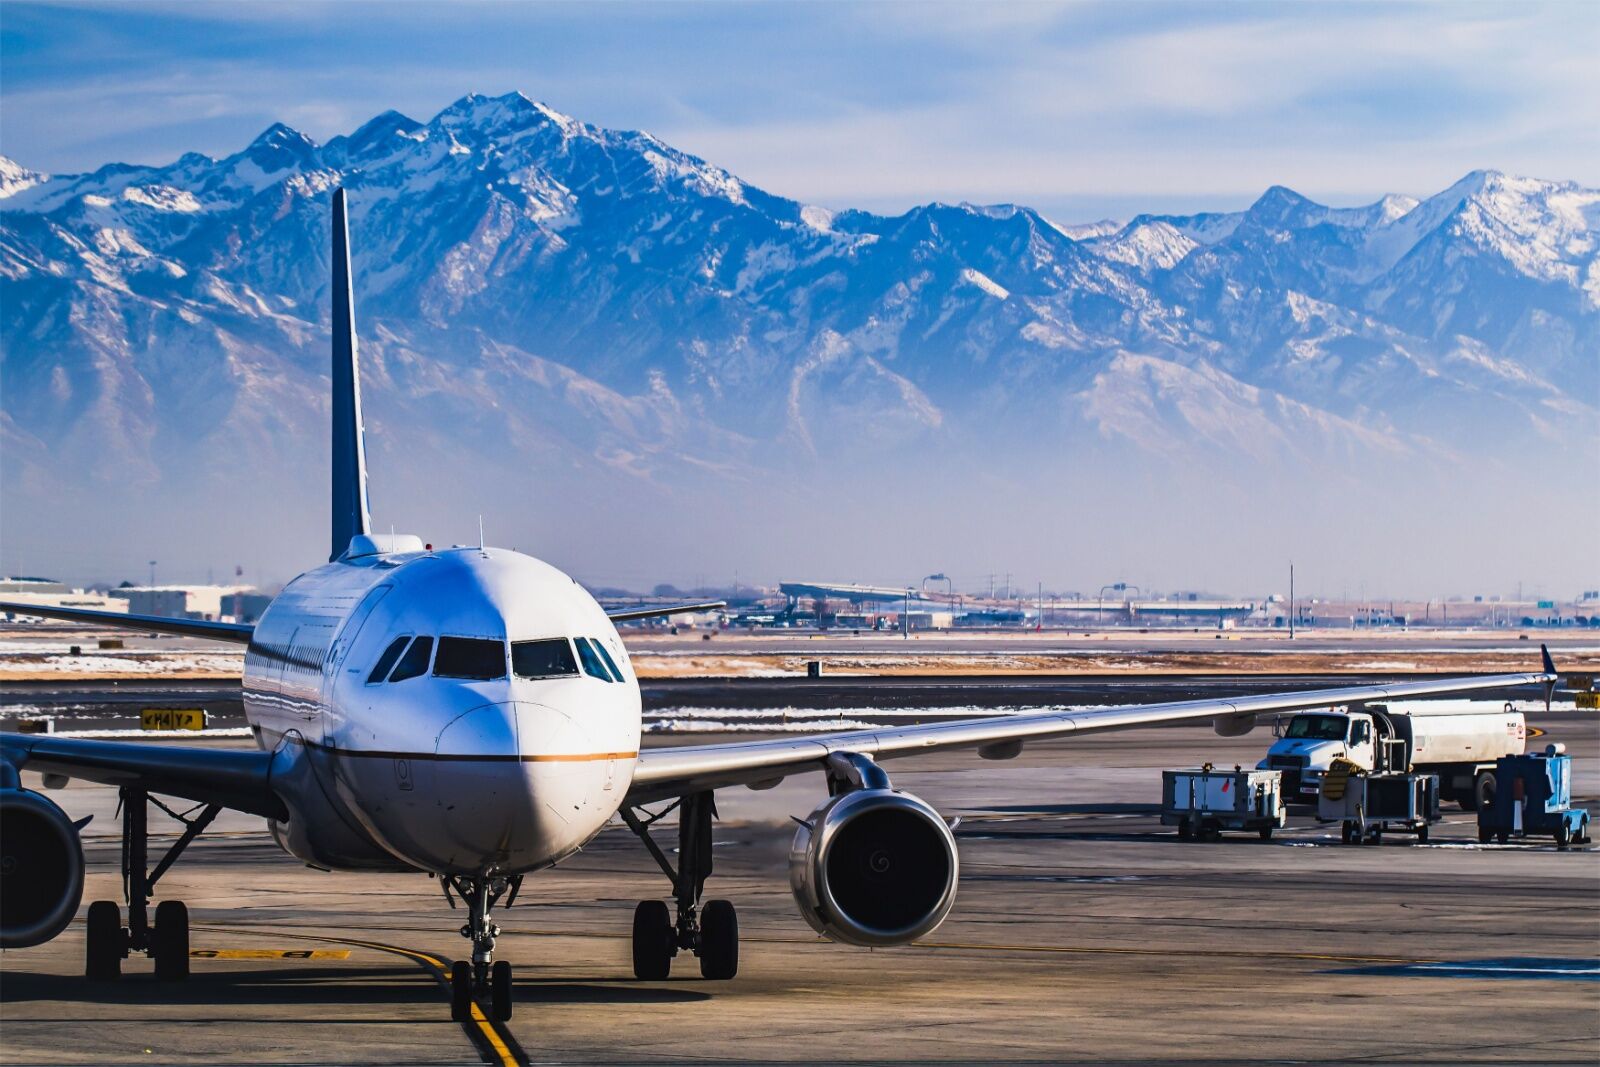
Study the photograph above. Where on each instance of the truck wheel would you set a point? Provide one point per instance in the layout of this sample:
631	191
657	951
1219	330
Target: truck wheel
1563	835
1266	833
1502	837
1185	831
1485	835
1481	796
1422	835
1346	832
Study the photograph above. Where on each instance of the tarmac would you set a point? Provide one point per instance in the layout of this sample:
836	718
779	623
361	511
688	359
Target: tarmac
1083	932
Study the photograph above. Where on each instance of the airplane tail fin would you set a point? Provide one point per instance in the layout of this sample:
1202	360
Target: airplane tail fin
351	513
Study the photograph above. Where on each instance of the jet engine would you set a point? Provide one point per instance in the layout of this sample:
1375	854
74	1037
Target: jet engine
41	866
872	866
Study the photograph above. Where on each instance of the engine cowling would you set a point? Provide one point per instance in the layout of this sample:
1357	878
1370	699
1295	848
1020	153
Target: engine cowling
41	869
874	867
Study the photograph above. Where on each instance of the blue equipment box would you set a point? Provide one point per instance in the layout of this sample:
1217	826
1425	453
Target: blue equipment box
1533	796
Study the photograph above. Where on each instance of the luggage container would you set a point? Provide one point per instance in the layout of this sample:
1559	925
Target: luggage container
1202	803
1533	795
1366	805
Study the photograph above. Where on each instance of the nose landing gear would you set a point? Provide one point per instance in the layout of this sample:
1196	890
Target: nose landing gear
483	975
711	932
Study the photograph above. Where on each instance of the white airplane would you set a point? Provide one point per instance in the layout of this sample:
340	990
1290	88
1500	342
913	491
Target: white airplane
471	714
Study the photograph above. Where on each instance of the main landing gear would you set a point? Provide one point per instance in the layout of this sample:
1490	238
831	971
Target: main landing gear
107	942
710	932
483	974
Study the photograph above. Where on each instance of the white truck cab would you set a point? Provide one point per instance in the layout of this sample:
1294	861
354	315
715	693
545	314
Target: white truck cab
1460	747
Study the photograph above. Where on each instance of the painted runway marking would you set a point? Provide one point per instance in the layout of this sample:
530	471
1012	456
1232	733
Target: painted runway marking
492	1040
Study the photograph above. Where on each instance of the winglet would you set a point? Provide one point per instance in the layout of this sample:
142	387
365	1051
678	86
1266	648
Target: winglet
1550	682
351	514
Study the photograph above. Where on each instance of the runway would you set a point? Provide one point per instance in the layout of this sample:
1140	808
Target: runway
1083	932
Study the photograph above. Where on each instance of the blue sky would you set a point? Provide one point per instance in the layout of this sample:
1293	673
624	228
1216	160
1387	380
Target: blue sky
1083	110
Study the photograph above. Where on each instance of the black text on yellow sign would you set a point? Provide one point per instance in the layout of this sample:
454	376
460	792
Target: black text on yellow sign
172	719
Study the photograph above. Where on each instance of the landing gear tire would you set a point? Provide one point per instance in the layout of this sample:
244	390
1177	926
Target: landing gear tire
461	991
500	990
654	941
103	942
1502	837
719	941
169	941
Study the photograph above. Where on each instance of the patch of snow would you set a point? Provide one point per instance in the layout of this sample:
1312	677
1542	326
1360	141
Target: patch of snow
162	198
984	282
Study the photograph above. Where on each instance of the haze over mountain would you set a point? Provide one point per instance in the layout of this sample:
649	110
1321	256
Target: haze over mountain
642	368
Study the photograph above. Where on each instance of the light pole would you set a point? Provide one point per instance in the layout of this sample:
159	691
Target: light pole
152	574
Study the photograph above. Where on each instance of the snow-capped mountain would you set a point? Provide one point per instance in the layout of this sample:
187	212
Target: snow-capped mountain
544	301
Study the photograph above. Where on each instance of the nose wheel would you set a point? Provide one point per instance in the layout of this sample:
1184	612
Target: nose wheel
710	931
483	976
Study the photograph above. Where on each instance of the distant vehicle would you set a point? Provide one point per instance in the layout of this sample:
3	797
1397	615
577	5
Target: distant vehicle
1459	747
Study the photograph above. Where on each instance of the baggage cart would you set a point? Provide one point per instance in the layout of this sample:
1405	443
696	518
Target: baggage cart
1202	803
1367	805
1533	796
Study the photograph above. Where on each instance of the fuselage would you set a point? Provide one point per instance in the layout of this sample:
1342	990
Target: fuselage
468	711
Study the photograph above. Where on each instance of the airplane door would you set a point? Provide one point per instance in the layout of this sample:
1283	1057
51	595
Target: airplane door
354	656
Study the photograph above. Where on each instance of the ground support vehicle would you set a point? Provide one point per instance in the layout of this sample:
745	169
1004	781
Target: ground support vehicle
1459	747
1533	796
1202	803
1366	805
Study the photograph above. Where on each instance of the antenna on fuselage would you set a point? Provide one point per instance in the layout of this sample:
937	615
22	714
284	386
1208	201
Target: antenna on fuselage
480	533
351	514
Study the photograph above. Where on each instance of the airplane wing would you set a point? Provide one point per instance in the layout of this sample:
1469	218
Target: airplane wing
671	772
236	633
235	779
630	614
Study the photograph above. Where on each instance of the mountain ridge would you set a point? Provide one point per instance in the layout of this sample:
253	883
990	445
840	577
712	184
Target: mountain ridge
678	326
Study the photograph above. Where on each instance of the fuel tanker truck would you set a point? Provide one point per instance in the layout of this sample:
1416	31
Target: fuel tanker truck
1458	746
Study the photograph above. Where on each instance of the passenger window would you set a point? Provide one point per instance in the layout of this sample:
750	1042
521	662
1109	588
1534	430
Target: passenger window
415	661
550	658
592	665
386	660
470	657
599	646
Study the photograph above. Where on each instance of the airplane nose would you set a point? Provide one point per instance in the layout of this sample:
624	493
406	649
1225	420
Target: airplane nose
502	798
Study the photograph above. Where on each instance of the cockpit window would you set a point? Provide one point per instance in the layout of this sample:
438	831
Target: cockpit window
592	664
415	661
470	657
550	658
385	661
599	646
